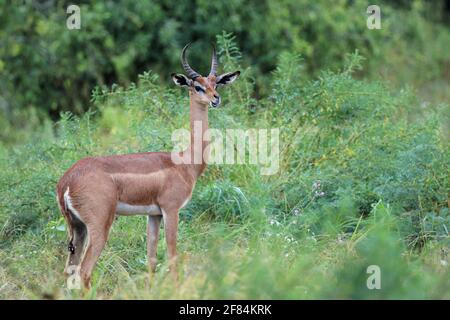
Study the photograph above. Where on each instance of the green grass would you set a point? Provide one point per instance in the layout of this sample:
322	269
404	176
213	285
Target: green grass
381	159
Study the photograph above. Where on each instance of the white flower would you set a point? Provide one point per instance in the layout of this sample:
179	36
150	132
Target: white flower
274	222
316	184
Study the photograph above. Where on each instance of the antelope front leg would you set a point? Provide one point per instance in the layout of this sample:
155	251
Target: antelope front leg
171	230
152	241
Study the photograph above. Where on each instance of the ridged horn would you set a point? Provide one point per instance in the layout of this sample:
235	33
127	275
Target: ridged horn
191	73
214	62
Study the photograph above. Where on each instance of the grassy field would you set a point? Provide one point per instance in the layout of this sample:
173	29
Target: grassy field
362	180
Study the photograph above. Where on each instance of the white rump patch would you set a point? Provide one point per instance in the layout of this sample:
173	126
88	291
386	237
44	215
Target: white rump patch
68	202
125	209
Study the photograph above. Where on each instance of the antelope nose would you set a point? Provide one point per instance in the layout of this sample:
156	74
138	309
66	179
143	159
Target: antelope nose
216	101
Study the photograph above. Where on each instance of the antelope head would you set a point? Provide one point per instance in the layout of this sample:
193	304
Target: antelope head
203	89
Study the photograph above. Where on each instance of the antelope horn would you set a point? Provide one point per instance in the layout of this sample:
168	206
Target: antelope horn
213	62
189	71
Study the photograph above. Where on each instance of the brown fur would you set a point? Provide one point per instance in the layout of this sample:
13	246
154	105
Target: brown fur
96	184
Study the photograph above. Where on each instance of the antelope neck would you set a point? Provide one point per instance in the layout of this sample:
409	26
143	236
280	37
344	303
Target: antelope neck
199	141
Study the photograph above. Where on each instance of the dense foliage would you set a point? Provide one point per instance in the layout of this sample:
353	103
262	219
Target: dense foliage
47	68
363	180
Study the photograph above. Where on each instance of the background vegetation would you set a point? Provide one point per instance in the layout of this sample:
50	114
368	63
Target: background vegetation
363	117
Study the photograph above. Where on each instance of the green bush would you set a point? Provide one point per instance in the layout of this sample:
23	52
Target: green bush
47	67
361	182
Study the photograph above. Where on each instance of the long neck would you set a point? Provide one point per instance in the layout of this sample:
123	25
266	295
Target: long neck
199	140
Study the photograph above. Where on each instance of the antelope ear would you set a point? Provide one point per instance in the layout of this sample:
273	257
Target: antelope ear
181	80
227	78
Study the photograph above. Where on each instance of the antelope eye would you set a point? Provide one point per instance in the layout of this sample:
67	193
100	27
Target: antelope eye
199	89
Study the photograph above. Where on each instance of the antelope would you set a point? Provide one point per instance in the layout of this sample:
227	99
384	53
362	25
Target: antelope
96	189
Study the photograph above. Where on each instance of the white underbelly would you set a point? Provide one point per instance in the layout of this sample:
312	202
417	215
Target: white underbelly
125	209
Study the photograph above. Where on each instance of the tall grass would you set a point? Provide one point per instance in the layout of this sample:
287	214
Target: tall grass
362	181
